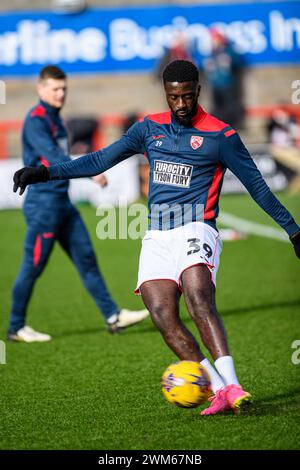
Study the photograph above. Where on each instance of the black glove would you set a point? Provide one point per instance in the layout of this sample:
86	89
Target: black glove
30	175
295	239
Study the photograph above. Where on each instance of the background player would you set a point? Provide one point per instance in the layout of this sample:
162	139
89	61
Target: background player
189	152
50	216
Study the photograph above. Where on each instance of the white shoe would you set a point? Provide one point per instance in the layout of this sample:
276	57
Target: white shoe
130	317
29	335
127	318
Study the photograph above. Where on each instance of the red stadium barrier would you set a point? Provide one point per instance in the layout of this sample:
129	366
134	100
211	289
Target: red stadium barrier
267	111
113	120
7	127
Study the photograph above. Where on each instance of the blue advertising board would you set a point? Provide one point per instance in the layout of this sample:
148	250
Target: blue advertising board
127	39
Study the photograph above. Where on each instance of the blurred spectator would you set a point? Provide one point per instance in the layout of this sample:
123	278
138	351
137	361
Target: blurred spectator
180	49
284	137
223	70
81	132
283	129
143	163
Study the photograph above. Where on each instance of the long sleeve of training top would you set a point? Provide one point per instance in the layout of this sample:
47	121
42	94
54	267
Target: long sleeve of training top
97	162
236	157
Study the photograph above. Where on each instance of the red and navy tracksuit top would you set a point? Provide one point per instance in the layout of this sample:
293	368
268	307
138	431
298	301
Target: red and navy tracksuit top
187	164
45	141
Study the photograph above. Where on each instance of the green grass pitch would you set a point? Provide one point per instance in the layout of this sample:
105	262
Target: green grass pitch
89	390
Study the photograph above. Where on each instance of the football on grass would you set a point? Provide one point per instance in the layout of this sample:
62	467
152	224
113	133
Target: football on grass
186	384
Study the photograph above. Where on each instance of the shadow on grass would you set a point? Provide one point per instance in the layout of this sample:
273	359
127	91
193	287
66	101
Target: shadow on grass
149	328
134	329
266	306
276	405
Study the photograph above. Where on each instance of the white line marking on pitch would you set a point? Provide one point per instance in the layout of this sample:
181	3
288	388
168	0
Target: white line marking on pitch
252	227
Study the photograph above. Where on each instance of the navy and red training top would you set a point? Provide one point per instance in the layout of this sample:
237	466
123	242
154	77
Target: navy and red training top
45	141
187	165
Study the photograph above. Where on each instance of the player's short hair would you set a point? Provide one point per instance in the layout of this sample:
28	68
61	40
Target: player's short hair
52	71
181	71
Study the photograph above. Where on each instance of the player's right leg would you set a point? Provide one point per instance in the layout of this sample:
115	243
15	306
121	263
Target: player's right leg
37	248
161	298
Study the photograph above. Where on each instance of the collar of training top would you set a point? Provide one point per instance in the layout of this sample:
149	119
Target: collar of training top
196	120
50	109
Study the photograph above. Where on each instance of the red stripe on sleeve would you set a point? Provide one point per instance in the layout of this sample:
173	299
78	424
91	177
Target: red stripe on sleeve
44	162
213	194
229	133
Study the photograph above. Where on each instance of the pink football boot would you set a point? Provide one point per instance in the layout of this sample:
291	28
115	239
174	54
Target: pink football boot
237	398
219	403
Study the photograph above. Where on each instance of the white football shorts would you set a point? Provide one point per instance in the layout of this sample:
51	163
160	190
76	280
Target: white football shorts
166	254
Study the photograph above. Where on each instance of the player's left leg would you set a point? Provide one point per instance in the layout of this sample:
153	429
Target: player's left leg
75	240
199	294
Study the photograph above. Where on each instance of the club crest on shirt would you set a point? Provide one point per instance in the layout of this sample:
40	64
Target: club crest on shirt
196	141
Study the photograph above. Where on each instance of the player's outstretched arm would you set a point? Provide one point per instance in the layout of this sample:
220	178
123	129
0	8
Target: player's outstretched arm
89	165
236	157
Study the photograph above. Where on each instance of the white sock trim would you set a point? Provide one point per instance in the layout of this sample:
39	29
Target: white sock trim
216	380
225	367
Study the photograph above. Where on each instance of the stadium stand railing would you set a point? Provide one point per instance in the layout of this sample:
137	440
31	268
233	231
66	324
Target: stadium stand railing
13	127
